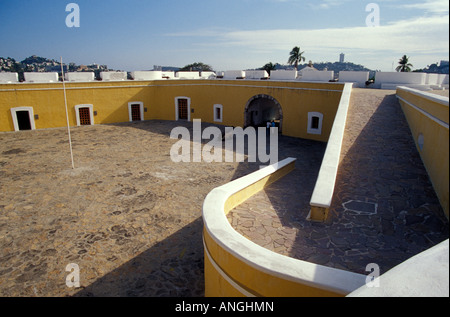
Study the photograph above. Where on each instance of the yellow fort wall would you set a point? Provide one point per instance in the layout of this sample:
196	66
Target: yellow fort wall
110	101
428	119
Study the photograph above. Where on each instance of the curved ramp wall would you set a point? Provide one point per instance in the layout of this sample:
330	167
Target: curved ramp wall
235	266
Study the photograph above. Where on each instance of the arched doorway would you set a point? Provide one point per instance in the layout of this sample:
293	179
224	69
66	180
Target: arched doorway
263	108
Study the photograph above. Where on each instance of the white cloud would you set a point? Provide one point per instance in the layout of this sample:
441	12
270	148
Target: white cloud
424	38
431	6
326	4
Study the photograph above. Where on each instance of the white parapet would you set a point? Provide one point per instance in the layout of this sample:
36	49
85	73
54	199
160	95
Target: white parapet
443	80
41	77
283	74
234	74
113	76
390	80
6	78
432	79
324	76
147	75
168	75
79	76
256	74
358	78
188	75
208	75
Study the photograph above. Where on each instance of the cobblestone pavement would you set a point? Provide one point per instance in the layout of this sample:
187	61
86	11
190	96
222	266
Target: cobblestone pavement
384	209
127	215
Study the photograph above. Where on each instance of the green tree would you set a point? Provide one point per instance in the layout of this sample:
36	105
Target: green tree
296	57
197	67
404	65
268	67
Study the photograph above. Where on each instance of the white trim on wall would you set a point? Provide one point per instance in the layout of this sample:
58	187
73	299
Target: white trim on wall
312	130
141	109
215	113
91	113
14	117
188	107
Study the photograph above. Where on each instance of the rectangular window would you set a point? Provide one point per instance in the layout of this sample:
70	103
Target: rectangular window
85	116
182	109
315	123
218	113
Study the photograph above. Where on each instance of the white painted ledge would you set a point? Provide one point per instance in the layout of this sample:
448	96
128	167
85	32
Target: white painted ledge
260	258
326	180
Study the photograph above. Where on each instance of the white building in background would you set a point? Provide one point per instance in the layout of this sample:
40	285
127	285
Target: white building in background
341	58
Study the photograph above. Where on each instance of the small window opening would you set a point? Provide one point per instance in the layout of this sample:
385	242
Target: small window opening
315	122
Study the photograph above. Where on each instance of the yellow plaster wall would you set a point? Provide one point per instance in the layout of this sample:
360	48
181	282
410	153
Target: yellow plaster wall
110	101
227	274
253	280
435	152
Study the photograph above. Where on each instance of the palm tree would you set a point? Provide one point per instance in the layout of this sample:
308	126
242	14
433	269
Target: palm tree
296	57
404	66
268	67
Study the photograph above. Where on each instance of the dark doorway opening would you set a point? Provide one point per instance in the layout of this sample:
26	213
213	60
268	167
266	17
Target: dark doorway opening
23	120
136	112
262	109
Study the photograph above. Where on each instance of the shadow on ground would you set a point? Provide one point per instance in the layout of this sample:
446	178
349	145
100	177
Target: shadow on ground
172	267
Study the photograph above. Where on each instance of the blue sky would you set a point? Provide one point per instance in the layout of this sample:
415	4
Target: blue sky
227	34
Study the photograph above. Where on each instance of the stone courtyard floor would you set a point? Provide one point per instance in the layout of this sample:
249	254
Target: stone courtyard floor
130	218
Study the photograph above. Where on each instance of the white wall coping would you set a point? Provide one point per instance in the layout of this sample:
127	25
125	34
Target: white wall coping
256	74
326	180
79	76
423	275
113	76
34	77
433	97
147	75
262	259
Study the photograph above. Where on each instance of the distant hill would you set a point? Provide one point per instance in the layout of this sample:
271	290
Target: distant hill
336	67
442	68
37	60
41	64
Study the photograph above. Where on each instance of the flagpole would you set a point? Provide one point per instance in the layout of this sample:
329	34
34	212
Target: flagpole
67	113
